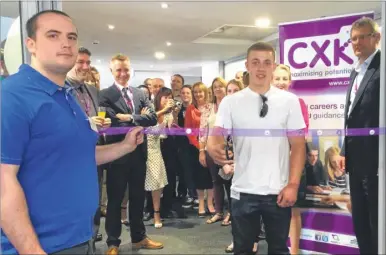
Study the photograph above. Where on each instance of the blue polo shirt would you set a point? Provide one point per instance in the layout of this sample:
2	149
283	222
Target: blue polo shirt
46	133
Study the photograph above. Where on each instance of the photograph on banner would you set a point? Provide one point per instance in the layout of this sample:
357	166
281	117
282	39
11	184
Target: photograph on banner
320	57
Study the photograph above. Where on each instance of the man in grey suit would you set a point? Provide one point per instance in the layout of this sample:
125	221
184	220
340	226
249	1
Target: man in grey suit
88	98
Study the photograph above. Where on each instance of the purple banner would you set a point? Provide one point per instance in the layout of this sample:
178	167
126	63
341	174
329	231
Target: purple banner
321	58
318	52
327	231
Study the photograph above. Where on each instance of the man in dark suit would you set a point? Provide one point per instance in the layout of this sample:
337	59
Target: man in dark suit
127	106
88	98
361	152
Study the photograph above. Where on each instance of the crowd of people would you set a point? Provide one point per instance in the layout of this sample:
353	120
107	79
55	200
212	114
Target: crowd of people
51	169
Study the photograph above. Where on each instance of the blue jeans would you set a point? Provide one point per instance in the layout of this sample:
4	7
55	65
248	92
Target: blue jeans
246	213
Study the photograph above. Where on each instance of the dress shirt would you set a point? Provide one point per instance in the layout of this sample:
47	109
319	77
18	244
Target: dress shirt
361	69
129	93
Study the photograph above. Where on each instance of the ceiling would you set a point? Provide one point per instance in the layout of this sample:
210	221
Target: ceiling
199	30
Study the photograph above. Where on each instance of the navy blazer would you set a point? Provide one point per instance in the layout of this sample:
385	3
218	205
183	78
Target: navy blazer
111	98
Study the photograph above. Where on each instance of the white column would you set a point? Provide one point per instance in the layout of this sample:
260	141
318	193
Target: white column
382	143
210	70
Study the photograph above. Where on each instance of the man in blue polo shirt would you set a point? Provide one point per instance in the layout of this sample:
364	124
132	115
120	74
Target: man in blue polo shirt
49	157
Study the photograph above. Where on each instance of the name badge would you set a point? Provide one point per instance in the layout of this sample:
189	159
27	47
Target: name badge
235	194
93	126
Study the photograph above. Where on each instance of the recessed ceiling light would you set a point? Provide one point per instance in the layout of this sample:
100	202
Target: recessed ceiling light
151	66
111	27
159	55
263	22
164	6
168	43
99	61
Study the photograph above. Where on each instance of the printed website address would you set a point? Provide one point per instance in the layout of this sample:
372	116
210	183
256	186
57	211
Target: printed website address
339	83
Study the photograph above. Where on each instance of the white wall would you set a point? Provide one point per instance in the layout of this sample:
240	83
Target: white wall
138	77
232	68
210	70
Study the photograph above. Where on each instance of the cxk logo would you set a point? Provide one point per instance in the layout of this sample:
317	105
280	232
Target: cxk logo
320	51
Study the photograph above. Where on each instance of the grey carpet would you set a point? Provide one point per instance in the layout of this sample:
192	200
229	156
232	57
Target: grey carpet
180	236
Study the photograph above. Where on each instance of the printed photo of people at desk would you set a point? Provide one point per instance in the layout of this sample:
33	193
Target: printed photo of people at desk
324	181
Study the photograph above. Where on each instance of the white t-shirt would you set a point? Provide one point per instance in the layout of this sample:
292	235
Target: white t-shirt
261	162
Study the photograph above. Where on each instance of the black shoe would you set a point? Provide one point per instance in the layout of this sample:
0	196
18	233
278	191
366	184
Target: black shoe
147	216
98	238
195	204
179	210
167	215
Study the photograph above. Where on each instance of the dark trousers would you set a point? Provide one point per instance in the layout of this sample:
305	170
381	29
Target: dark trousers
364	201
169	155
97	217
132	173
87	248
185	157
246	213
218	185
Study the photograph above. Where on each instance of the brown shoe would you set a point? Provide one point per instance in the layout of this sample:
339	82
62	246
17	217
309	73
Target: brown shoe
113	250
148	244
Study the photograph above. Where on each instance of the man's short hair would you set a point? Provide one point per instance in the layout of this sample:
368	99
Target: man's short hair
262	46
120	57
83	50
365	21
31	25
180	76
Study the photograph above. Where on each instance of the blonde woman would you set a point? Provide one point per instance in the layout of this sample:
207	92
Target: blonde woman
202	176
282	80
336	175
208	117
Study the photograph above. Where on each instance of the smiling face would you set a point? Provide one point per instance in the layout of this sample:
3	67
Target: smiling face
121	71
54	46
186	95
81	69
281	79
218	89
200	93
260	65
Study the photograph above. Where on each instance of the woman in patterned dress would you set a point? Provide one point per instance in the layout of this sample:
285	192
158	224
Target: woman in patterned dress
156	177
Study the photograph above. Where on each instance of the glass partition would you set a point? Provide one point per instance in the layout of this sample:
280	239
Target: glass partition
11	52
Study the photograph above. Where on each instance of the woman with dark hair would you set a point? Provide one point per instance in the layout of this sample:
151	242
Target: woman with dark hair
156	176
146	90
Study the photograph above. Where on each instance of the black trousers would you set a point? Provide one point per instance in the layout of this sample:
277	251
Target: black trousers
364	201
169	154
97	217
187	169
131	173
246	213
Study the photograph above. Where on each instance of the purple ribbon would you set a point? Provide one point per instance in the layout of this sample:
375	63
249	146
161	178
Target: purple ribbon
247	132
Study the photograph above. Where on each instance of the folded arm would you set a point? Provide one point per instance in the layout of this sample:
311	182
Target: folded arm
146	120
15	220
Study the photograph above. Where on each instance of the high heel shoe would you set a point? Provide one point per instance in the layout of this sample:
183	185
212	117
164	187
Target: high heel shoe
157	225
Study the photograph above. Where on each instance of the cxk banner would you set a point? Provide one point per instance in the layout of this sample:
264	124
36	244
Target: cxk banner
320	55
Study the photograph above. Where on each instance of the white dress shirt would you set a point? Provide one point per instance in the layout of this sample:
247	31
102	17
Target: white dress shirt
361	69
128	93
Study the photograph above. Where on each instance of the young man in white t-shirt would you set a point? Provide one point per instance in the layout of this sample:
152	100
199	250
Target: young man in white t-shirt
266	122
